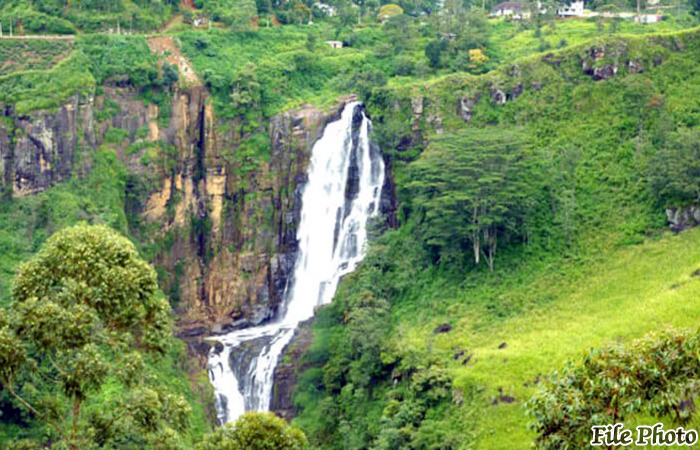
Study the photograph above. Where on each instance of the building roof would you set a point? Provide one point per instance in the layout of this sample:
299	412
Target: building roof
515	6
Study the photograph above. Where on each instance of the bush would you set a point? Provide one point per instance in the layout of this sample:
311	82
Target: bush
434	51
404	66
255	431
655	375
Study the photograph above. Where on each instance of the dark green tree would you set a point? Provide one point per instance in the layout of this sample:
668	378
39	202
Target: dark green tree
245	93
695	7
674	172
170	74
434	51
473	188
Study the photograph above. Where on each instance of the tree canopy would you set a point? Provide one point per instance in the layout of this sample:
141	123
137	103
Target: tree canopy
656	375
674	171
85	315
472	188
255	431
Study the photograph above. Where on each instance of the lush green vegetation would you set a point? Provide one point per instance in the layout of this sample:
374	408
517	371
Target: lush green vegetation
514	40
75	330
37	89
581	268
531	194
17	56
66	17
255	431
655	376
27	222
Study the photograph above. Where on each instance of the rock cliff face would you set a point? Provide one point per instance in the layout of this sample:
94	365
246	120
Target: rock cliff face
289	368
224	227
680	219
40	150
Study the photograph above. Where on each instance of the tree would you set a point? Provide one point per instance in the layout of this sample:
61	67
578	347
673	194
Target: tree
388	11
246	89
674	172
171	75
695	7
255	431
477	56
302	13
399	31
84	312
235	13
472	187
656	375
434	51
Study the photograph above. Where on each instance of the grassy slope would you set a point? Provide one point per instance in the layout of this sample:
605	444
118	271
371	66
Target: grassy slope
623	295
19	55
509	41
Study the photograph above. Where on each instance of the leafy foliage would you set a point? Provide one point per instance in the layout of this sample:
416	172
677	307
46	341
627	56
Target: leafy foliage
67	16
657	375
674	170
47	89
237	13
388	11
255	431
473	187
84	311
120	56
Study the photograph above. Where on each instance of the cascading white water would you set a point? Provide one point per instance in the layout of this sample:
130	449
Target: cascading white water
343	191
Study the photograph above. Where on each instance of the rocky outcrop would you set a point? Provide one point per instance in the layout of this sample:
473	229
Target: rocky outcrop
223	221
289	368
42	148
680	219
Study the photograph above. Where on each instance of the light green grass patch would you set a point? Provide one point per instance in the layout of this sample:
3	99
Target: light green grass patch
634	291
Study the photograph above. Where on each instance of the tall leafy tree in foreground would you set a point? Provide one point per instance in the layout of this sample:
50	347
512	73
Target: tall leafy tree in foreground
255	431
473	188
84	316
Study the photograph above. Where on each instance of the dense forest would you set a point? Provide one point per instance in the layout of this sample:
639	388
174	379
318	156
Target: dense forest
532	270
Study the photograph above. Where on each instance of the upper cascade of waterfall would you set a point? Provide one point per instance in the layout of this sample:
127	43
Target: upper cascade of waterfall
345	179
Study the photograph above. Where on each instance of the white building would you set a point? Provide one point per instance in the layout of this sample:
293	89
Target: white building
326	8
515	10
648	18
575	9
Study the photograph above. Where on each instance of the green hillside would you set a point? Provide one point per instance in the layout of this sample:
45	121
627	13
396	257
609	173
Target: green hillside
531	167
585	260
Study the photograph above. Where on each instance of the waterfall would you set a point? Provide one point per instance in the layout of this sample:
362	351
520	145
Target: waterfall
346	174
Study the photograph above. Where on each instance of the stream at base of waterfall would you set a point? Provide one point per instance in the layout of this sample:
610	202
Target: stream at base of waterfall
345	179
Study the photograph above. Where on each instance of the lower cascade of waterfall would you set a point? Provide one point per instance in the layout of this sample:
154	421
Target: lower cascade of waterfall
346	174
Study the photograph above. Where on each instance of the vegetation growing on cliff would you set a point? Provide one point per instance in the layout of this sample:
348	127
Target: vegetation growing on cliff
31	55
35	89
